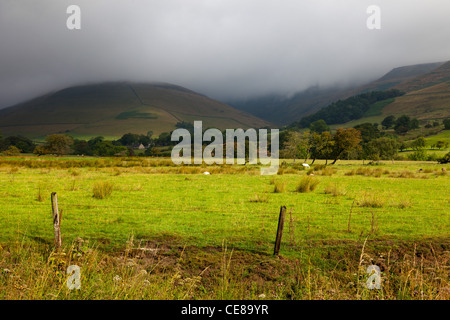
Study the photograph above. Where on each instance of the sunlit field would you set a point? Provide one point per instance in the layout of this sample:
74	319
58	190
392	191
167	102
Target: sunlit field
145	228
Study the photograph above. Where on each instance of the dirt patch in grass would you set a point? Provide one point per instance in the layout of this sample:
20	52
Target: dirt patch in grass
167	269
335	266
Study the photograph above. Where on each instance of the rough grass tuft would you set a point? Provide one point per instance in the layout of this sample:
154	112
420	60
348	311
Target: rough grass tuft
280	187
260	198
372	201
335	190
102	189
307	184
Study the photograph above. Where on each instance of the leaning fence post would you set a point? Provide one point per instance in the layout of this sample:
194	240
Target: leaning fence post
56	221
279	230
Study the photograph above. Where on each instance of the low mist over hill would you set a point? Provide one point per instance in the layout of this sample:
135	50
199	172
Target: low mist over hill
282	110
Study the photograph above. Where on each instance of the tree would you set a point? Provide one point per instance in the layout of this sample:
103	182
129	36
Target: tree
441	144
345	140
418	155
403	146
128	139
381	149
445	159
144	139
401	130
59	144
446	123
404	123
41	150
94	141
291	146
388	122
107	149
319	126
368	131
185	125
321	146
418	144
413	124
12	151
22	143
164	139
81	147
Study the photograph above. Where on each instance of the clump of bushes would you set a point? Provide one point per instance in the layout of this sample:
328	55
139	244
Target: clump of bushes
418	155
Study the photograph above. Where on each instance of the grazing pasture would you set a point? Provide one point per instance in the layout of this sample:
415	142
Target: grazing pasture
145	228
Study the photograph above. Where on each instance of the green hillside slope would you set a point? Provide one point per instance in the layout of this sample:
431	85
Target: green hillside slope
112	109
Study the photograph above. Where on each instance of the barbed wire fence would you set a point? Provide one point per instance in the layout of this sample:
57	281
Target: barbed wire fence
114	223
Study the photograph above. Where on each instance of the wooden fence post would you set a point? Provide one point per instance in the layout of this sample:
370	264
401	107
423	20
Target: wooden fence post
279	230
56	221
350	217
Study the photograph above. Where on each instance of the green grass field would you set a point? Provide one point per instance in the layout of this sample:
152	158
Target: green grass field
191	236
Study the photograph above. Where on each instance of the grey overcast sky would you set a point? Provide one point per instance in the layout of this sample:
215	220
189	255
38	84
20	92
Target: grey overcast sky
226	49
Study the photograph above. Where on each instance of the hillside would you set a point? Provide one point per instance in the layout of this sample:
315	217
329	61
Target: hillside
353	108
113	109
436	76
282	110
397	77
427	97
425	104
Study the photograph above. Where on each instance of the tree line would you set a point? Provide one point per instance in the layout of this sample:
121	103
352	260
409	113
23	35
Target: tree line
64	144
364	141
343	111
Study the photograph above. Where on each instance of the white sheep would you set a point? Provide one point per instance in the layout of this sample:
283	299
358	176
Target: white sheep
305	165
206	173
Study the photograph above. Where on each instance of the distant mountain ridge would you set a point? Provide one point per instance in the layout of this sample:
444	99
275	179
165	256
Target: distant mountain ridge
284	111
425	97
401	74
115	108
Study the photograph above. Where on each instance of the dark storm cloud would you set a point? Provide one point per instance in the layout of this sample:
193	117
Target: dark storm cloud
222	48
